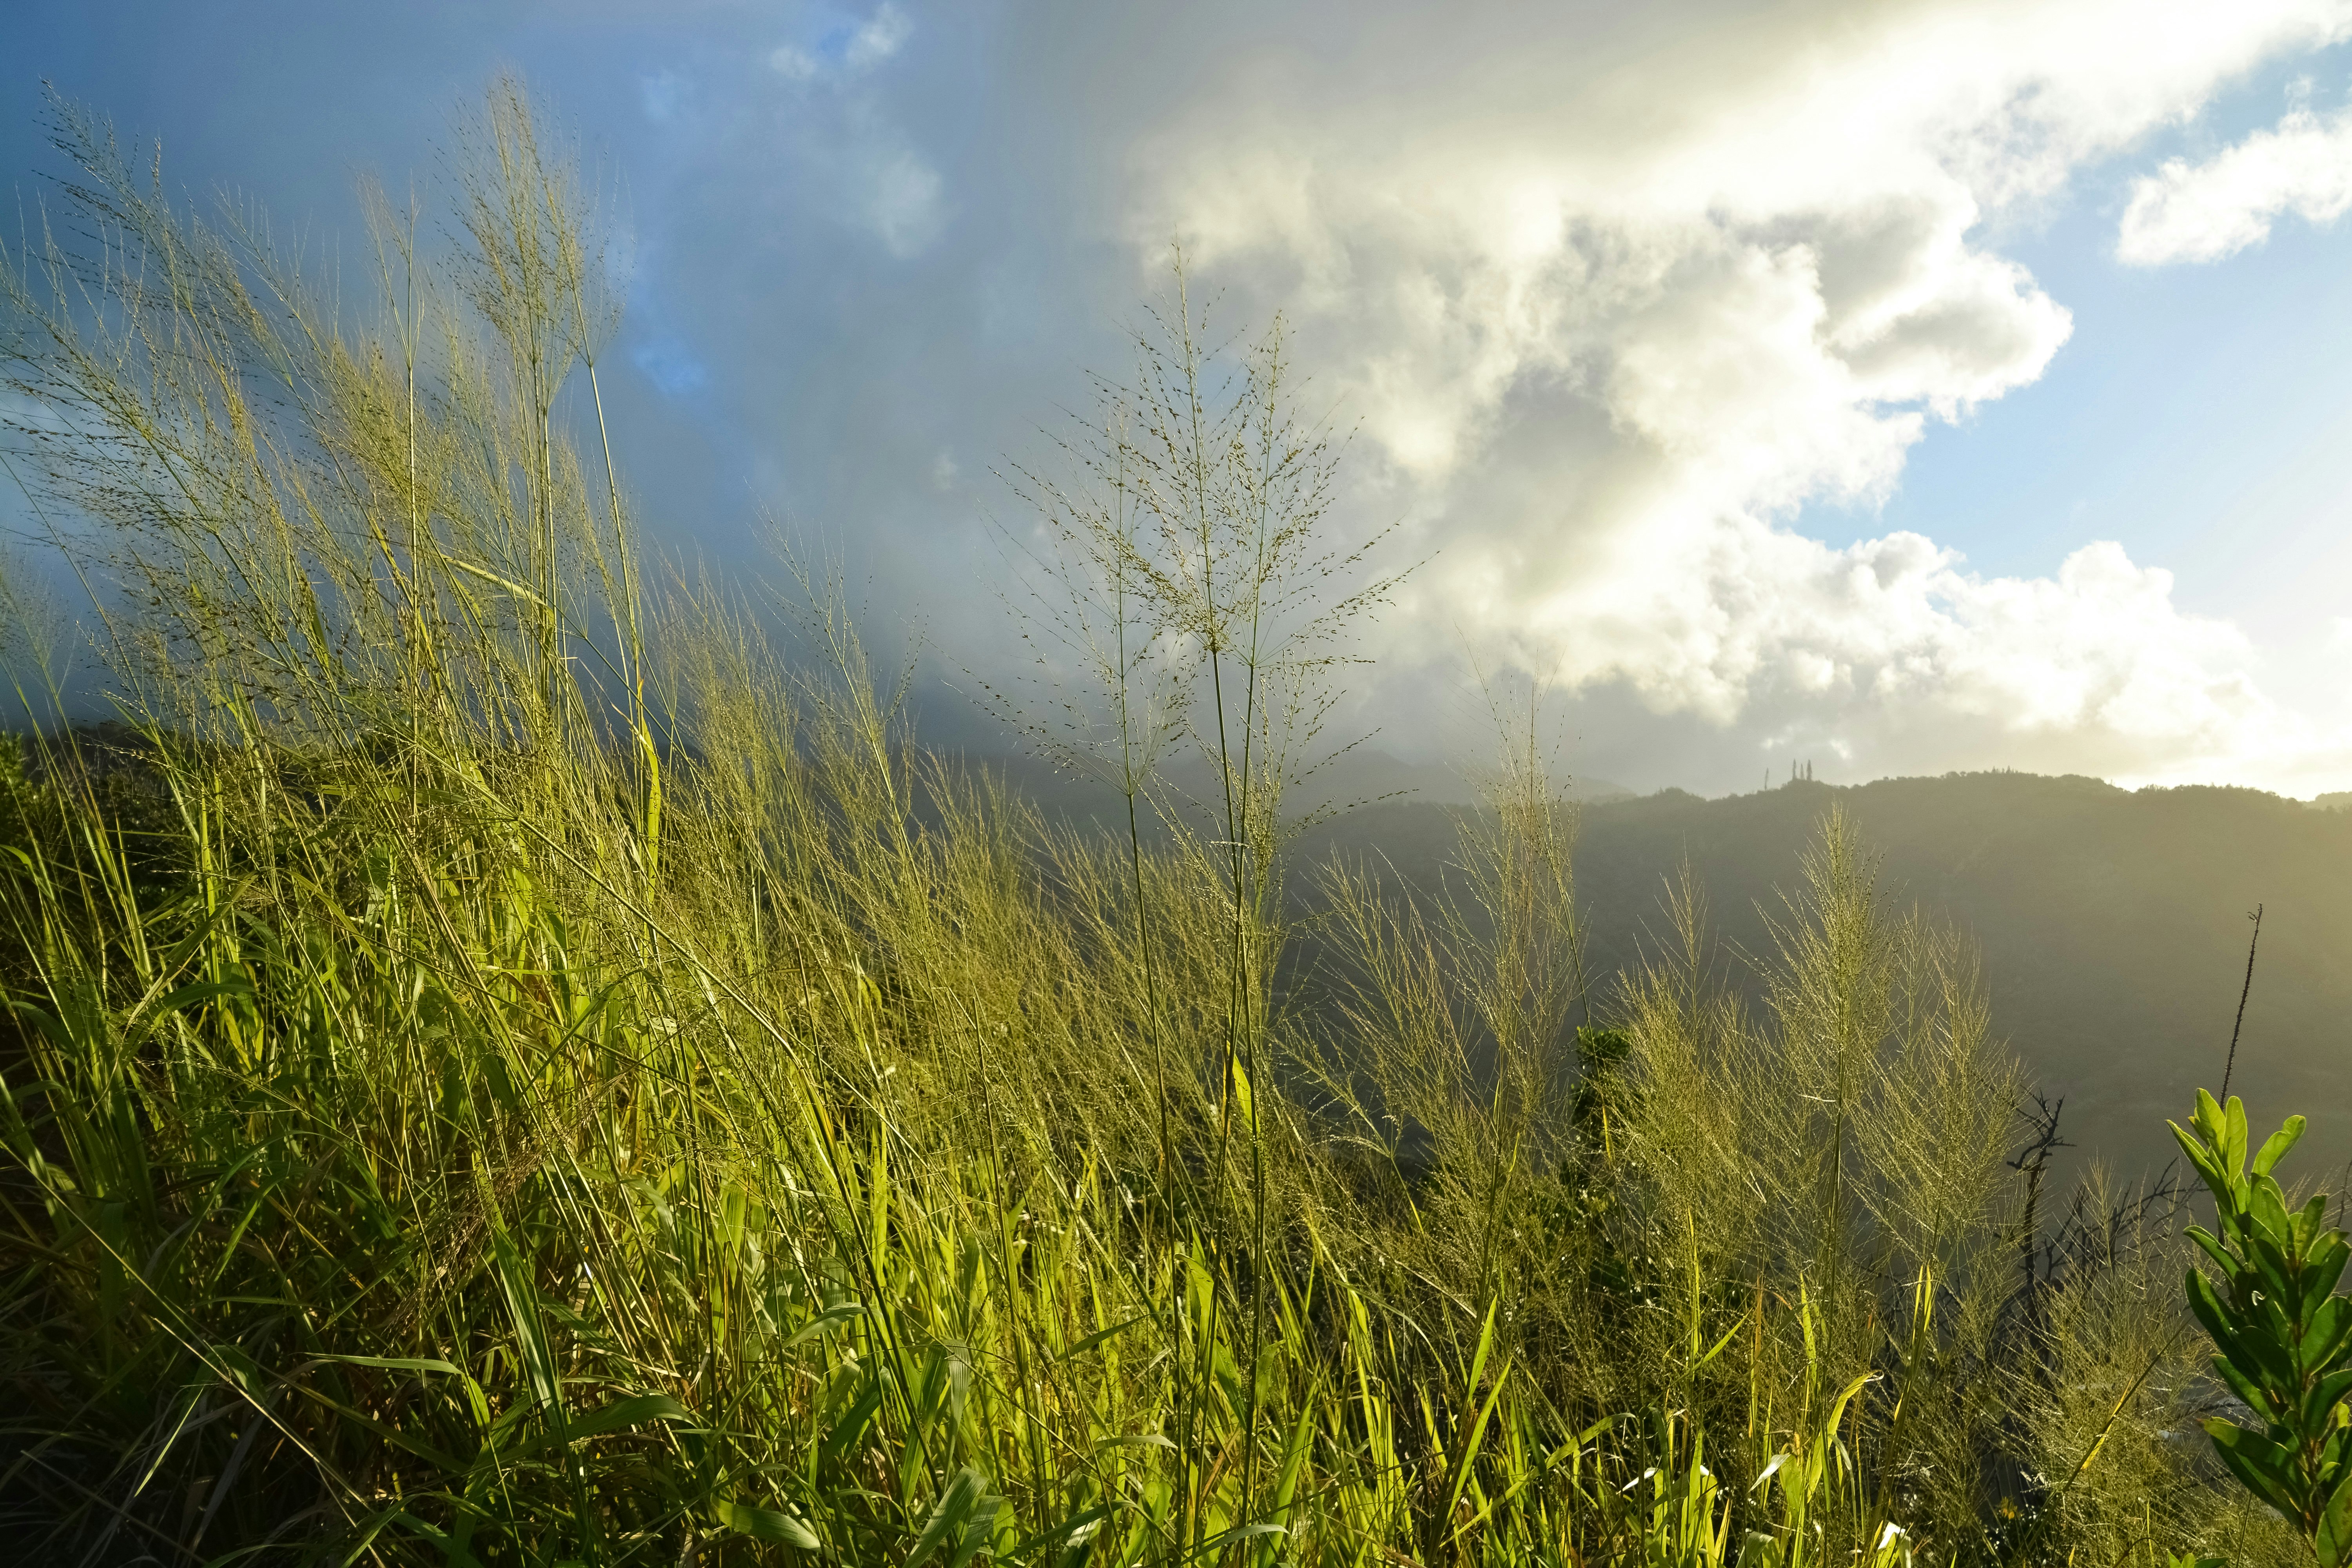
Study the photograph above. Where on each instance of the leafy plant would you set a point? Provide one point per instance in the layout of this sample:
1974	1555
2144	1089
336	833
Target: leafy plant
2282	1337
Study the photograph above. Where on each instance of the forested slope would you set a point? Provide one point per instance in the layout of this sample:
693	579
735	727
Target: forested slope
2113	922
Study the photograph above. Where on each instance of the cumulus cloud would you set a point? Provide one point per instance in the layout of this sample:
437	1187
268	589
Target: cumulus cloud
1892	639
2203	211
1619	299
1613	316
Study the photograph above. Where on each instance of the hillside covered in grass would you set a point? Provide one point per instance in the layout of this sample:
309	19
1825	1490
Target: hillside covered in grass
512	1053
2112	923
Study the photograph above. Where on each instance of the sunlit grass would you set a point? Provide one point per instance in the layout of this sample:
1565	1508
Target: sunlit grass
510	1060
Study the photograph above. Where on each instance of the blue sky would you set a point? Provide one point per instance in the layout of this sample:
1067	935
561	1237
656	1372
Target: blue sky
1768	379
2202	415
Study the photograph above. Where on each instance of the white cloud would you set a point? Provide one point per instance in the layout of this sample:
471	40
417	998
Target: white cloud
849	142
846	52
898	195
660	94
1895	636
1611	316
884	33
2203	211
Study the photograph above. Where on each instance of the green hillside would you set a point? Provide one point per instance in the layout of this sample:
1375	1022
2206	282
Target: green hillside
2113	922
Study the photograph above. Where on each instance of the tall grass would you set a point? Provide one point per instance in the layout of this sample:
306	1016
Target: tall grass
509	1060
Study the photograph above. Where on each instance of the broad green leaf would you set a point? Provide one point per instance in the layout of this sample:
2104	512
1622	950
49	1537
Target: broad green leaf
2279	1143
2267	1208
201	991
764	1524
530	1328
1078	1527
437	1457
1477	1434
850	1429
2213	1249
2247	1389
2332	1542
620	1413
2322	1269
391	1363
2322	1397
2200	1158
2266	1468
2208	1118
832	1317
1099	1336
2310	1223
2220	1321
958	1502
2274	1299
2323	1340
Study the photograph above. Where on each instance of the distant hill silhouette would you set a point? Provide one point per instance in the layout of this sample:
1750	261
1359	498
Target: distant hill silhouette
1358	781
2113	922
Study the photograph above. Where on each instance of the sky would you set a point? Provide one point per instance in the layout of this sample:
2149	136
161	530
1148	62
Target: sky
1896	387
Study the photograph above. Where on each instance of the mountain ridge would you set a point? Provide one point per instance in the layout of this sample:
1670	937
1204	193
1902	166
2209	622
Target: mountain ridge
2112	921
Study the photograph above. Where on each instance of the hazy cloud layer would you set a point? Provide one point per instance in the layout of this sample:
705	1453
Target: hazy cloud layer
1619	298
1609	321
